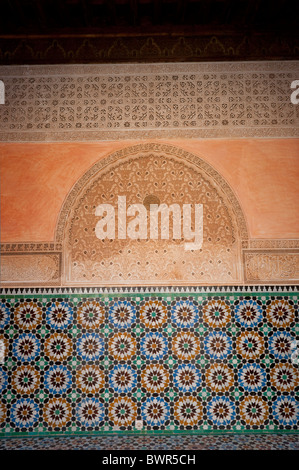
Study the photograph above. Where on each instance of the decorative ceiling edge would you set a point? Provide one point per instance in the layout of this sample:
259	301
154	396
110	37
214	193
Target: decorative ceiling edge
148	47
91	103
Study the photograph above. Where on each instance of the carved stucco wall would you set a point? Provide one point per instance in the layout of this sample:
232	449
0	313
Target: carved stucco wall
77	257
173	176
86	103
36	268
107	102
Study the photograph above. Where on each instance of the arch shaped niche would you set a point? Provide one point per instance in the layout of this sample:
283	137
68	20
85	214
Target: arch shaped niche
172	175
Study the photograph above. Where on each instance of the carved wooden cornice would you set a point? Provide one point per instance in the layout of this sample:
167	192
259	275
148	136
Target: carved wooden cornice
156	47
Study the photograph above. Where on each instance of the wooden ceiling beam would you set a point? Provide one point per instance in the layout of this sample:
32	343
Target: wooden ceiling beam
86	12
42	19
134	12
111	9
157	11
17	10
181	10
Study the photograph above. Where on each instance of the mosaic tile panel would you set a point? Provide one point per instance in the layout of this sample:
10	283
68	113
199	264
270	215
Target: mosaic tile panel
150	443
178	360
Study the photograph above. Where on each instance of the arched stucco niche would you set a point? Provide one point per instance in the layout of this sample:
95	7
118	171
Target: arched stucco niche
167	174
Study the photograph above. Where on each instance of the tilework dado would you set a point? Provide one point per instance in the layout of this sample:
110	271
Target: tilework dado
176	359
153	442
106	102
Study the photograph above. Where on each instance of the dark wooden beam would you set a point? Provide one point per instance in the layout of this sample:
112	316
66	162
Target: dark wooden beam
86	12
134	12
17	11
180	10
42	19
228	11
253	7
157	11
111	10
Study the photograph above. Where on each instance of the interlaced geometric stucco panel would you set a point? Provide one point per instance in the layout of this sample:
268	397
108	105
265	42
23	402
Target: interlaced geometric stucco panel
271	265
34	268
169	180
100	102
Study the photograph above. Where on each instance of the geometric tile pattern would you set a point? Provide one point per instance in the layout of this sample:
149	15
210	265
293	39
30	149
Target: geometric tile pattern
178	361
91	102
145	442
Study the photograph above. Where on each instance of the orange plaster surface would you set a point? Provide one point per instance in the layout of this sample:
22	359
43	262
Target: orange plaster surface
36	178
264	174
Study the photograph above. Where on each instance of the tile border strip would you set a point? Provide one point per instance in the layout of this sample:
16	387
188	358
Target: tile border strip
151	290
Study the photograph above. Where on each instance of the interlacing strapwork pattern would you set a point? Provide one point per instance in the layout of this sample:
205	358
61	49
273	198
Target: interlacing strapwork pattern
172	181
100	102
200	361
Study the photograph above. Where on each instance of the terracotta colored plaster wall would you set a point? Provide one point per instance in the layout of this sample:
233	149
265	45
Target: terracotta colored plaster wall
36	178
